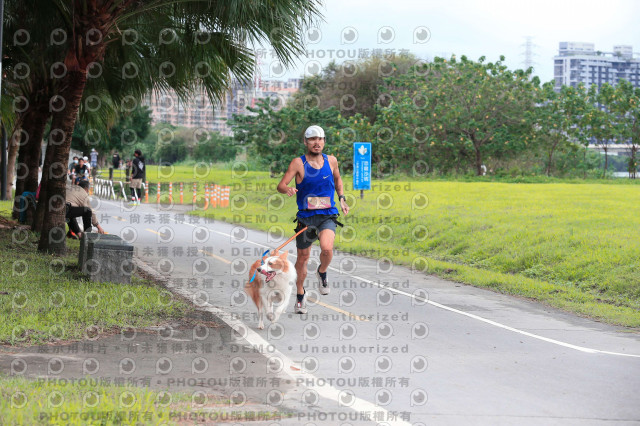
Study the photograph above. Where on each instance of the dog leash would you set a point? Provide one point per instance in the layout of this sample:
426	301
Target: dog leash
290	239
276	251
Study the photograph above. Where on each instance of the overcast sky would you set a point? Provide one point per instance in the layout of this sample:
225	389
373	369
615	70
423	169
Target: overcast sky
474	28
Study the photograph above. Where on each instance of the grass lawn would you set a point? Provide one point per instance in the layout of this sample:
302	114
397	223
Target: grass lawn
575	246
46	299
30	402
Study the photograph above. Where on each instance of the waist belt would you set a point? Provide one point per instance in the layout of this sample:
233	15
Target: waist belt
333	218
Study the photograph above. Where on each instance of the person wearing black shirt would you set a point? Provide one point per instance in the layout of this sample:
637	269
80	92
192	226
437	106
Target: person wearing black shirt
115	161
81	171
137	176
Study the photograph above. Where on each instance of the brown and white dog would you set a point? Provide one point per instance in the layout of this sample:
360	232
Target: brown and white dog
275	291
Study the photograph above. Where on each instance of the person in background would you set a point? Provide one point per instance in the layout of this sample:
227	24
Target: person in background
115	163
94	162
86	163
72	167
81	171
78	205
137	176
127	170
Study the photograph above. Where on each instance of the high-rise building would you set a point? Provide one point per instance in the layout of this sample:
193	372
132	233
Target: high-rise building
581	63
199	112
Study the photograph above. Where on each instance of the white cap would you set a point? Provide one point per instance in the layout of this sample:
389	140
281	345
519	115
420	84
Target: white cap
314	131
85	158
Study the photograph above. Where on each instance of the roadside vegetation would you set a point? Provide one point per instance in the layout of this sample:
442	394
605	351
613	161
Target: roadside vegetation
83	402
45	299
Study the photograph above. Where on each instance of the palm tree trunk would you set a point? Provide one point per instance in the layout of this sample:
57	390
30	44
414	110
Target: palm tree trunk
38	220
20	173
52	237
14	144
34	122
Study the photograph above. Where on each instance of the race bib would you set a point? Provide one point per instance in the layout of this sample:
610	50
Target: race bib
316	203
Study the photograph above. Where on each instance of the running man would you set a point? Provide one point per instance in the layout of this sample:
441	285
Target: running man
317	178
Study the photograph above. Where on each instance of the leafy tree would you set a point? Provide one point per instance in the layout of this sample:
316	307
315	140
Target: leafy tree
151	141
169	144
124	135
172	152
626	107
599	120
130	129
275	137
483	105
95	30
352	87
215	147
556	119
356	128
465	110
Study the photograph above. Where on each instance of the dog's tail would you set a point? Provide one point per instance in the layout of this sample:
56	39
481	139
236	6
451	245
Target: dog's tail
253	287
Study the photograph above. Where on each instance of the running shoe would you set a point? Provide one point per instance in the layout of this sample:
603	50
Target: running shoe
301	304
323	284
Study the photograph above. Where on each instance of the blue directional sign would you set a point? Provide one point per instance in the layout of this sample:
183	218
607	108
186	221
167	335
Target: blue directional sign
362	165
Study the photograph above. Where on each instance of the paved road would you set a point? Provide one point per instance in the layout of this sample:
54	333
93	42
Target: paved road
396	345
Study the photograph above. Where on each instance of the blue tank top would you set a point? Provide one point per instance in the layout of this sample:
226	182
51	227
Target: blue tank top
316	187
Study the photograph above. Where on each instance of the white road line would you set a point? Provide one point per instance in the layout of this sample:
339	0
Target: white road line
494	323
476	317
457	311
257	342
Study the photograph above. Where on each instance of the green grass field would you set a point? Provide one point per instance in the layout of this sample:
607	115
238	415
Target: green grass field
46	299
199	172
31	402
575	246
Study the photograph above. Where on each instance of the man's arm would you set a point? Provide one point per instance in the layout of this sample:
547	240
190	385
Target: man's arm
292	171
337	181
